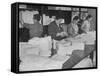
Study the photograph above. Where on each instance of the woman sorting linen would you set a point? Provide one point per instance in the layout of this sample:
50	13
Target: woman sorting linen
55	30
73	27
36	29
86	24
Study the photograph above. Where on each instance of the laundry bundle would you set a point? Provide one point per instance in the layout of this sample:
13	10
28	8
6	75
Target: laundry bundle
68	47
46	19
88	38
44	45
27	49
32	62
27	16
36	62
36	46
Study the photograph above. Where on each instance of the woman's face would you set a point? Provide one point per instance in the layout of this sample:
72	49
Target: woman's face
90	19
76	21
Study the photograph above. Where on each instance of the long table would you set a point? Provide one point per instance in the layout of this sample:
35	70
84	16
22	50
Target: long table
77	56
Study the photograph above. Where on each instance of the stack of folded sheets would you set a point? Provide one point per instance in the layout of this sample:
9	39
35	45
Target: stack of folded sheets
68	47
88	38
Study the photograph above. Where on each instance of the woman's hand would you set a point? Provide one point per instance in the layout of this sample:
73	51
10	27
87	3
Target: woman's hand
62	34
58	34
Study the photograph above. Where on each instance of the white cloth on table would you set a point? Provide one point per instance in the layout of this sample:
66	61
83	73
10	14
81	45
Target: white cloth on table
88	38
85	63
32	62
64	49
36	62
34	41
25	49
78	46
61	58
44	44
37	46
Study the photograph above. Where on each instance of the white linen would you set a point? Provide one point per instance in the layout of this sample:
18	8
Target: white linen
34	41
32	62
46	20
27	16
25	48
88	38
85	63
67	48
61	58
45	46
36	62
37	46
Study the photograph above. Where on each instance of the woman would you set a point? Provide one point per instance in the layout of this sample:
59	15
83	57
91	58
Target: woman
55	30
72	27
86	24
36	29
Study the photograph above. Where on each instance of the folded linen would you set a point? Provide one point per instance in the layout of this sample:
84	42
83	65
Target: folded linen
36	62
44	44
25	49
67	50
37	46
32	62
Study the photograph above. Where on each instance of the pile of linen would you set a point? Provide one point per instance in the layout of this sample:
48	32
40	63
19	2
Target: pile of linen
35	55
67	47
88	38
27	16
36	62
44	45
37	46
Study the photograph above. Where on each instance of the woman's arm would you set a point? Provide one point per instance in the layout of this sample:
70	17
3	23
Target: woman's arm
71	31
84	26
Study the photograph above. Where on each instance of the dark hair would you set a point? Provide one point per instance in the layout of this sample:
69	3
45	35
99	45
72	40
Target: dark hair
37	17
88	17
58	17
76	18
